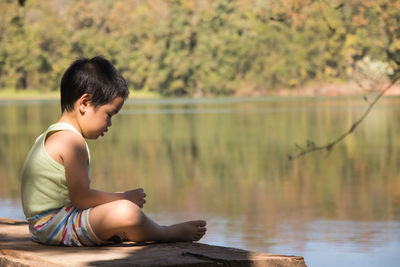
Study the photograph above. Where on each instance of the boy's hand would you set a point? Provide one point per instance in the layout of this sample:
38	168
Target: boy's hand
136	196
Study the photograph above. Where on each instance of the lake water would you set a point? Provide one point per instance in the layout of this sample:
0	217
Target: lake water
225	160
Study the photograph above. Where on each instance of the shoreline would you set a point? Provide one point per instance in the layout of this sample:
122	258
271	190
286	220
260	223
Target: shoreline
317	90
55	95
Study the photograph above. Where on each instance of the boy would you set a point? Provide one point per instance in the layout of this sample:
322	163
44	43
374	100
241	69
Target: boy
58	202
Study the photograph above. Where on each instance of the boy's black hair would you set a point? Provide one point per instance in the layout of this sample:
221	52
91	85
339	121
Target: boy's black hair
96	77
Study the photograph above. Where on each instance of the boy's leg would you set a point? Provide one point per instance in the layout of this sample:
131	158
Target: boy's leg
124	216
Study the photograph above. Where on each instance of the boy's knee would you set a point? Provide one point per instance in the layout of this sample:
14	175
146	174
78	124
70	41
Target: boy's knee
127	212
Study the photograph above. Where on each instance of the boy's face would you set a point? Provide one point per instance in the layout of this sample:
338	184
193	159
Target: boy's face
96	120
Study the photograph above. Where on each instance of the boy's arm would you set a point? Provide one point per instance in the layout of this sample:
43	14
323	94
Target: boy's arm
75	160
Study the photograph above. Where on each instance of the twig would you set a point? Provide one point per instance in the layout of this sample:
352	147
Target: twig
220	262
311	147
324	18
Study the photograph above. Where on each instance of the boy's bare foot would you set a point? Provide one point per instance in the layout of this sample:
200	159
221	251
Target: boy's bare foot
186	231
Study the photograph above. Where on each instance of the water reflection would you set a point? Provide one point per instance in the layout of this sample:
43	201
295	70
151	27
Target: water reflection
343	243
226	160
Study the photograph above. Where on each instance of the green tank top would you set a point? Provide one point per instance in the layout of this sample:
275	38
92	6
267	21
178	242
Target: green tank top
43	183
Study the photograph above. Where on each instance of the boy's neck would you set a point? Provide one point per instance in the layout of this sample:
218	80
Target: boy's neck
70	118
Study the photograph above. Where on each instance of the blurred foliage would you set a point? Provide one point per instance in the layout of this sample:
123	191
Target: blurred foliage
197	48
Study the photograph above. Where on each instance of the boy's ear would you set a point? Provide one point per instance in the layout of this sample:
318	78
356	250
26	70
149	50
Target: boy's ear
84	102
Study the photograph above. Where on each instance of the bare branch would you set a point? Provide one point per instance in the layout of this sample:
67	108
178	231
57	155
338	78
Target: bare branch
311	147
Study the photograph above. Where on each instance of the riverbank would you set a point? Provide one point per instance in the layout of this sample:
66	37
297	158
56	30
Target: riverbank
16	249
337	89
37	95
330	89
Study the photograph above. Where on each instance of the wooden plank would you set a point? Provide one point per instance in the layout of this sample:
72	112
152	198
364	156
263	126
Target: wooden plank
17	249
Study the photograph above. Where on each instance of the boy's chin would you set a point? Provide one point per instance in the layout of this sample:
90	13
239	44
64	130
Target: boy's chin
93	137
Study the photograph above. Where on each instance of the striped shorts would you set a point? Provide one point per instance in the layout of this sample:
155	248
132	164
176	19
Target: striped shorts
67	226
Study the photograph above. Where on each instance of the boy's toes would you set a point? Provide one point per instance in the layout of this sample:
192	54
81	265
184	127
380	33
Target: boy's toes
200	235
201	223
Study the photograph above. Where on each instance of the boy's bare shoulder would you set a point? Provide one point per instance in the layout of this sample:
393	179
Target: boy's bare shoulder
61	145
